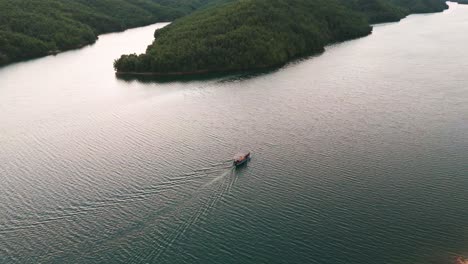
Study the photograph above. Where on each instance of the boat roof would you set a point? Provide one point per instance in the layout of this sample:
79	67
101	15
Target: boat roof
241	155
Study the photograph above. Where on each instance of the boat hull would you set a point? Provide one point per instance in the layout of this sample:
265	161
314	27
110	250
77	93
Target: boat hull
238	163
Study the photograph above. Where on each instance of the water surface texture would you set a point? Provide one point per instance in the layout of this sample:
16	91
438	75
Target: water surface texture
360	155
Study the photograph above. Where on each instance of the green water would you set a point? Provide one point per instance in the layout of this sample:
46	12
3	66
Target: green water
359	156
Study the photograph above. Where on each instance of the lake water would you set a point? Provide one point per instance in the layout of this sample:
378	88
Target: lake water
360	155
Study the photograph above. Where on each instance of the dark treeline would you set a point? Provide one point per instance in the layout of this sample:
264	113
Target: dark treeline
247	34
32	28
378	11
251	34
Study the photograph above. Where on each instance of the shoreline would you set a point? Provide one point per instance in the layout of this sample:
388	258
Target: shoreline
205	72
80	45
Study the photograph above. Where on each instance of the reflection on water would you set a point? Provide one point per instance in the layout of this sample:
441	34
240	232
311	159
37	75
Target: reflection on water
215	76
360	155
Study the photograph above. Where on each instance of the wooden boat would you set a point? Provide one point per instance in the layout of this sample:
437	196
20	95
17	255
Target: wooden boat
461	260
241	158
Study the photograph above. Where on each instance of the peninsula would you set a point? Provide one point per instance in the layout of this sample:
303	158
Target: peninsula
256	34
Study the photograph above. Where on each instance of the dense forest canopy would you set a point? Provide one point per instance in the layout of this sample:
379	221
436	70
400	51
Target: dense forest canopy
378	11
32	28
250	34
277	30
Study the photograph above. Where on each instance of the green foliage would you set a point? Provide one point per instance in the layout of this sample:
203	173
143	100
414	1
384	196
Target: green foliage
421	6
250	34
32	28
223	34
377	11
246	34
19	46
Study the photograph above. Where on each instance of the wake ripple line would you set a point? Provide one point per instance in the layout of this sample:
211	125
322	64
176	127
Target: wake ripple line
90	207
232	181
182	229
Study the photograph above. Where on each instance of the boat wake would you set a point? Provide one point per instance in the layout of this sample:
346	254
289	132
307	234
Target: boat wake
209	195
204	189
196	178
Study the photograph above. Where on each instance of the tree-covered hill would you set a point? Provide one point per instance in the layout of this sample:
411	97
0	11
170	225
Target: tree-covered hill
252	34
421	6
32	28
246	34
378	11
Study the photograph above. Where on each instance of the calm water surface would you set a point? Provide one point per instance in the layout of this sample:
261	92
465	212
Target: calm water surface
360	156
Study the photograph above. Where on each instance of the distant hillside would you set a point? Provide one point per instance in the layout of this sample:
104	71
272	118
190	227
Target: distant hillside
33	28
252	34
378	11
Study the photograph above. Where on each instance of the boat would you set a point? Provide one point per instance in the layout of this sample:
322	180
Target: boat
461	260
241	158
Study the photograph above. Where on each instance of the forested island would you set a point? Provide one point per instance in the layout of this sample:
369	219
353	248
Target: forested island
255	34
34	28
